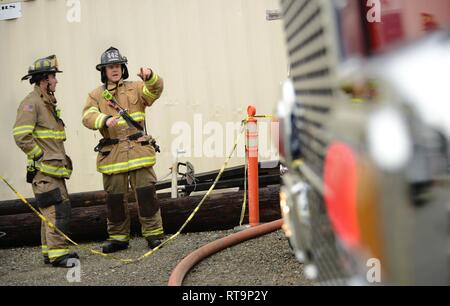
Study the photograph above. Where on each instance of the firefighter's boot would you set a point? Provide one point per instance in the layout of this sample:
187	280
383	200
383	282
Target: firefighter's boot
153	242
63	261
114	246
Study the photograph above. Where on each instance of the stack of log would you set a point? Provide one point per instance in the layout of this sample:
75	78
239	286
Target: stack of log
221	211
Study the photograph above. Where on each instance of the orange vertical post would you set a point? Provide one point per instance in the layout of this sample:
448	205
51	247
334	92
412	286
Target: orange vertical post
252	160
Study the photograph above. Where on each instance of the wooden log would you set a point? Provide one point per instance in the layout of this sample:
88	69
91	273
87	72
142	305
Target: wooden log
94	198
84	199
77	200
219	212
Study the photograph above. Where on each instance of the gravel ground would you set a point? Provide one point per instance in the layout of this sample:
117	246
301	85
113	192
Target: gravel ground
264	261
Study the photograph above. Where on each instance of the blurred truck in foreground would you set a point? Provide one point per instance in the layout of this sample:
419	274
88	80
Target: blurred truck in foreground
365	134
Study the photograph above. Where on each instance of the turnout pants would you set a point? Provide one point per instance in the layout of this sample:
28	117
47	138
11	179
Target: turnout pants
53	202
142	183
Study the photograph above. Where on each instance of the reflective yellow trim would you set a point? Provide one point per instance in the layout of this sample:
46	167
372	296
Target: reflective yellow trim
55	253
122	238
36	151
52	170
23	129
138	116
156	232
159	229
97	121
127	166
100	121
44	249
49	134
153	80
93	109
148	93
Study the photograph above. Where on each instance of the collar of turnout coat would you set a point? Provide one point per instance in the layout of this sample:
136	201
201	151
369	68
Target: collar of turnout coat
47	98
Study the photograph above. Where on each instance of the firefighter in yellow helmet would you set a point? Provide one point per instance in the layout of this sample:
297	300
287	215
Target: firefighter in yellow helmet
39	132
126	154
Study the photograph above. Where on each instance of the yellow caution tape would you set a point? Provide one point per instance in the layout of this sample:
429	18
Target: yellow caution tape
52	226
244	202
225	164
124	260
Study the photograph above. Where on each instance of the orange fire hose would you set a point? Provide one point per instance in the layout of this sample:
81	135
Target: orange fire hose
180	271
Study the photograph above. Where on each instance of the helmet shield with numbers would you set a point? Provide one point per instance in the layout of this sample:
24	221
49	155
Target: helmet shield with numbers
112	56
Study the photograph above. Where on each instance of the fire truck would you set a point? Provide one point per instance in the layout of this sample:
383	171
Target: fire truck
365	133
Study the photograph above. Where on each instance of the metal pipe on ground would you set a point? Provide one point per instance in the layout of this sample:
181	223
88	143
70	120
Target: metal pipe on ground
180	271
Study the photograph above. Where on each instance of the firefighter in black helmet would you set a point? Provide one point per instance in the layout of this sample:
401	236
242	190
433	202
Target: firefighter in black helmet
110	57
125	154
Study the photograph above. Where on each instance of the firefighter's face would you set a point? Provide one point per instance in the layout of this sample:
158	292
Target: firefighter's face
114	72
52	81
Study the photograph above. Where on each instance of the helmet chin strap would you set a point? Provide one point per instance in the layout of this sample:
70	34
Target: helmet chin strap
115	83
51	93
48	86
115	87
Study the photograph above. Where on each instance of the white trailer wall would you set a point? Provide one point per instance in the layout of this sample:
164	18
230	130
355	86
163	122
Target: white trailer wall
216	57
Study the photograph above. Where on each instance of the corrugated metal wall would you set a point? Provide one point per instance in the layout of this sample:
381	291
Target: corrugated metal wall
216	56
